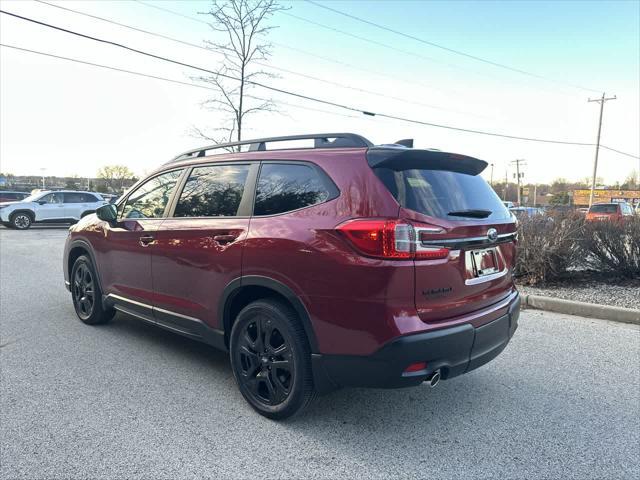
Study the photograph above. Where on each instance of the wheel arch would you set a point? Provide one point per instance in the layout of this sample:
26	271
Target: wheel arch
29	212
244	290
76	249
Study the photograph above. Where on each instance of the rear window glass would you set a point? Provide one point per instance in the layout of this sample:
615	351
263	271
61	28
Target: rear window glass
438	193
604	209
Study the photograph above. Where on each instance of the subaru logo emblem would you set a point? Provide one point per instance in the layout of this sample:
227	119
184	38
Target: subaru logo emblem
492	234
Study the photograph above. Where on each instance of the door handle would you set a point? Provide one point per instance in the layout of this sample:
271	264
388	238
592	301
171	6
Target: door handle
224	238
146	240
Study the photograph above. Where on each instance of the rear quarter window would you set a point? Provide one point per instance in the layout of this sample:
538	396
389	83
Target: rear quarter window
286	187
437	193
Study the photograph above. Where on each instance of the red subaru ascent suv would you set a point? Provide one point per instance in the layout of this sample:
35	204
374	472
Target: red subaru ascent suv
337	263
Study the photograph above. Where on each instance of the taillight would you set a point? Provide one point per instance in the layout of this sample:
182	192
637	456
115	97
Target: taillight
384	238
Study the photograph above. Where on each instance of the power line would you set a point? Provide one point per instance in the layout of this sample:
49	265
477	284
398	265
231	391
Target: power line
391	47
157	77
177	62
266	65
299	95
618	151
299	50
442	47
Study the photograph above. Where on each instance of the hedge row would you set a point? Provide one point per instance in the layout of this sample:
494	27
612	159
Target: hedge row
549	248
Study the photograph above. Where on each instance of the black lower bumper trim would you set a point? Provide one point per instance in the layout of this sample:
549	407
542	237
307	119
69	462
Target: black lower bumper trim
453	351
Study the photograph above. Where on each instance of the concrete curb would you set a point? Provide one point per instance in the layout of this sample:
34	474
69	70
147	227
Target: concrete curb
583	309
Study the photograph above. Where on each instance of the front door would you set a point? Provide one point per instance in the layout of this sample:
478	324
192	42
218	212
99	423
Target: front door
198	248
125	262
50	207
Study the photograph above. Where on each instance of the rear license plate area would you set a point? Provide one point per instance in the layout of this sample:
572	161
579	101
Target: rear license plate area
484	262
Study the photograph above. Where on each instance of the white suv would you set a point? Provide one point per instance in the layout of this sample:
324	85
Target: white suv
58	206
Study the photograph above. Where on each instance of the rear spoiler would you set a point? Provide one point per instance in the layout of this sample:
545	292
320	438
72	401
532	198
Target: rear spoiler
402	158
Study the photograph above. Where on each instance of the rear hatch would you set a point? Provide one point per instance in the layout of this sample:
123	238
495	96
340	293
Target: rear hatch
602	211
464	235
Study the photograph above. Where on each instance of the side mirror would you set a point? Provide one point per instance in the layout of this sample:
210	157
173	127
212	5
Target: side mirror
42	202
107	213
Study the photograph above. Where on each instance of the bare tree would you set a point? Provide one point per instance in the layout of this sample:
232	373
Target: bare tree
242	24
115	176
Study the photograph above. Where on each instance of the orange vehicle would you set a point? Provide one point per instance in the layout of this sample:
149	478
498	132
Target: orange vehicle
609	211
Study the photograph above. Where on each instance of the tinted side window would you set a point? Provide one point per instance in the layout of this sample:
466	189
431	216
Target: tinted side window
88	198
52	198
213	191
151	198
285	187
73	197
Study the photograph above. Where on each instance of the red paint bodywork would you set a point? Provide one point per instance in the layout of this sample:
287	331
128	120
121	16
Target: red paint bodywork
616	216
356	304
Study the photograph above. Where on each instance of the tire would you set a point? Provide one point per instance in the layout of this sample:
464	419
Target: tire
21	220
86	293
271	359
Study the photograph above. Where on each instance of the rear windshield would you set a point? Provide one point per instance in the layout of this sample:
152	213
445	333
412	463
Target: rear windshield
438	193
604	209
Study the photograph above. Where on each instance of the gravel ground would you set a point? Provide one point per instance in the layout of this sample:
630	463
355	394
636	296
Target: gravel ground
621	295
127	400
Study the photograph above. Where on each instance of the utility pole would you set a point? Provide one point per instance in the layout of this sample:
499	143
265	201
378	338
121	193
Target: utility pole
595	162
517	163
506	183
535	194
491	180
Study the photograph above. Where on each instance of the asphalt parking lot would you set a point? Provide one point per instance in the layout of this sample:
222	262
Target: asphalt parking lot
130	400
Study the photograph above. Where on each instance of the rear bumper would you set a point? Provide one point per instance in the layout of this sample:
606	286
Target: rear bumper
453	351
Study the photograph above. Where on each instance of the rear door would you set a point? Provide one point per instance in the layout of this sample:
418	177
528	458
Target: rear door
75	204
453	208
198	248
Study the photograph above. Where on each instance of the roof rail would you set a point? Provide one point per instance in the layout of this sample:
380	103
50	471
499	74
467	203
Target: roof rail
321	140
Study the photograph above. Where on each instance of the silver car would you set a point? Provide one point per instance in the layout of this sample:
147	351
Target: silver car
60	206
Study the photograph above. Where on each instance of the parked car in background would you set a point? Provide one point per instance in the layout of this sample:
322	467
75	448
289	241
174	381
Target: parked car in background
345	264
509	204
609	211
110	198
10	196
64	206
521	212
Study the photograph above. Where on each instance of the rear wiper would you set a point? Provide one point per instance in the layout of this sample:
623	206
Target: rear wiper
471	213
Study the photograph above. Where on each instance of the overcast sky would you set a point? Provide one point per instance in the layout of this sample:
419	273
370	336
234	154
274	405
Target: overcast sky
72	119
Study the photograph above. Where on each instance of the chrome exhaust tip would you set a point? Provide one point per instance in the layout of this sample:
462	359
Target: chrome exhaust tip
433	379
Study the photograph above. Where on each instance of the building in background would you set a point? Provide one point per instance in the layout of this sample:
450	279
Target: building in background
581	197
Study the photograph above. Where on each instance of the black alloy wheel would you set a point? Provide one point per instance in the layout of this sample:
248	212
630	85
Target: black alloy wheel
86	293
83	290
271	360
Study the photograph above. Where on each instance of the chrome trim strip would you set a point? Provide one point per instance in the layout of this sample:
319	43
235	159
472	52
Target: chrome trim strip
467	239
124	299
486	278
153	309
